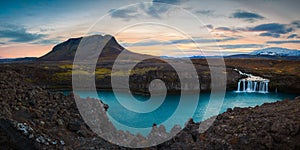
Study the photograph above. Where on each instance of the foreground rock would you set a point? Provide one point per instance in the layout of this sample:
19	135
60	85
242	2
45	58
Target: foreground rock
34	118
270	126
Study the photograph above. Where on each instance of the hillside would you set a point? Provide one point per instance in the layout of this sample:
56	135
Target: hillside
66	51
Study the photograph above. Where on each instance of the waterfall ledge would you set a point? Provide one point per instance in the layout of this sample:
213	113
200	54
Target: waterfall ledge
252	83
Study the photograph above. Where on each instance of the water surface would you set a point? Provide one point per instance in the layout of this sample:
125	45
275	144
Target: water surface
135	122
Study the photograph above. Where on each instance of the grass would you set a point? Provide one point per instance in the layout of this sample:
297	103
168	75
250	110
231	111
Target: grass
99	72
141	71
66	66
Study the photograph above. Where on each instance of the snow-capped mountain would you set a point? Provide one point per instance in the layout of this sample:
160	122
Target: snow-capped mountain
276	51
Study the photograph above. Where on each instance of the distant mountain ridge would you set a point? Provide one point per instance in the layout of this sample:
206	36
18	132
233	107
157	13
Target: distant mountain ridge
266	53
276	51
17	60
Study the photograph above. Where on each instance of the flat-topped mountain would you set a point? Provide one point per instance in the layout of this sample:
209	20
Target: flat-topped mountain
67	50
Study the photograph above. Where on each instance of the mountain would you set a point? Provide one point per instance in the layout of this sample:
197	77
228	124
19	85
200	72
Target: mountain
66	51
267	53
17	60
276	51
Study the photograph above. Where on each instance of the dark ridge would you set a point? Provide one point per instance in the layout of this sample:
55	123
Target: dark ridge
17	60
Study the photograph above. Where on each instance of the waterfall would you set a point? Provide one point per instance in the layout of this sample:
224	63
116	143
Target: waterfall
260	86
239	86
254	84
248	86
251	86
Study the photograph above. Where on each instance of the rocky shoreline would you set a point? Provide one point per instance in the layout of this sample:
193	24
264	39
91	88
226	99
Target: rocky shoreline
34	118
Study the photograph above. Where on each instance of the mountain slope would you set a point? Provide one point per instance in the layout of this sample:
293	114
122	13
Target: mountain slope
66	51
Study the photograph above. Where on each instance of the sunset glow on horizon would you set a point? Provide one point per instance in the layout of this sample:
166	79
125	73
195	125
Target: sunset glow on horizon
33	28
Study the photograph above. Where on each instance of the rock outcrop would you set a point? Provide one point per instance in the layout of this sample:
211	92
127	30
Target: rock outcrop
34	118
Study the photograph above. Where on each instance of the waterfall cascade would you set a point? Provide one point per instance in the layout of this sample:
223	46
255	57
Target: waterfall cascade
253	86
252	83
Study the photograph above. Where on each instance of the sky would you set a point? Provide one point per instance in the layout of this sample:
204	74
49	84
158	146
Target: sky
177	28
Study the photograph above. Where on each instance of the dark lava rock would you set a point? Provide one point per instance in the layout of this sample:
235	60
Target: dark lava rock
75	125
105	107
56	124
10	138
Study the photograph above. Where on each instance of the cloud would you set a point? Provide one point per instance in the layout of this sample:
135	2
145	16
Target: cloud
155	9
247	16
96	33
146	43
296	23
199	40
47	41
226	29
283	42
292	36
275	35
227	39
205	12
126	14
174	2
273	28
180	41
19	34
235	46
209	26
269	29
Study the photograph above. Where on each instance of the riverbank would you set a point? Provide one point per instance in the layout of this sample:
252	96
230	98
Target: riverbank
34	118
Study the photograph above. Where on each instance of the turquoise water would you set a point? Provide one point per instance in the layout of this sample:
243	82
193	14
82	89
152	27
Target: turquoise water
141	122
